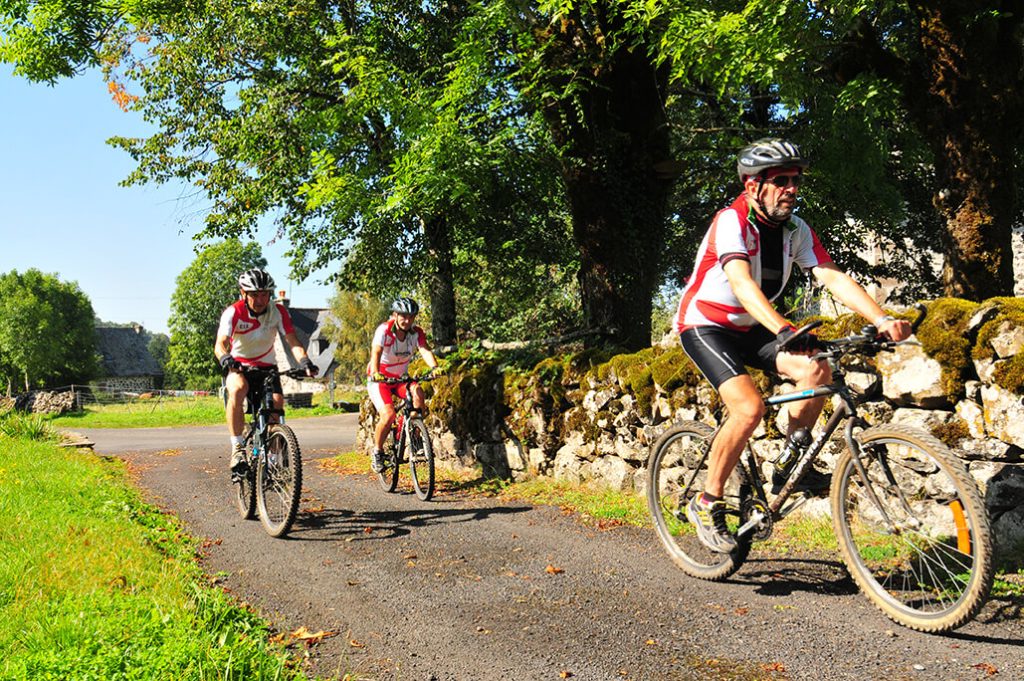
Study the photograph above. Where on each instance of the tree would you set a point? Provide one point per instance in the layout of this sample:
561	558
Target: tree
358	315
47	336
203	290
891	97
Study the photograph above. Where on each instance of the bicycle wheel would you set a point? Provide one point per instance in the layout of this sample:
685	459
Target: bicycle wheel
923	552
676	472
279	481
388	476
245	493
421	459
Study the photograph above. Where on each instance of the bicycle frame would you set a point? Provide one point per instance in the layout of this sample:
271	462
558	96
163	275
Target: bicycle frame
261	408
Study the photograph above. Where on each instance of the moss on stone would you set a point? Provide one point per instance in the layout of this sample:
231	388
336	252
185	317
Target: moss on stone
1009	374
951	433
943	336
673	369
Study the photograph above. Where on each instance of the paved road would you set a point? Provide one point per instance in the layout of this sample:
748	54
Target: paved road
471	588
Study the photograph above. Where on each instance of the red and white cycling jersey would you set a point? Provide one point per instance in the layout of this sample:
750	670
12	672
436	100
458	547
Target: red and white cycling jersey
252	338
708	298
396	354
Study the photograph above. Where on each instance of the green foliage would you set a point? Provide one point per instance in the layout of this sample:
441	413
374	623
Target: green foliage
99	585
355	316
17	426
202	291
47	337
1009	373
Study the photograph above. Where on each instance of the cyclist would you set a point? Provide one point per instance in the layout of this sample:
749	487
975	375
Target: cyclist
394	341
245	338
726	318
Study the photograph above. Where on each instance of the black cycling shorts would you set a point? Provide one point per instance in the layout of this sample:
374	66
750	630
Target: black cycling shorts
722	353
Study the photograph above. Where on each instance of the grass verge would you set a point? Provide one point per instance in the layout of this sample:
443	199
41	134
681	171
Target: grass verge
167	412
96	584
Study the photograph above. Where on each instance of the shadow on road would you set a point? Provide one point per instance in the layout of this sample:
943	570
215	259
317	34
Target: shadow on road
343	525
812	575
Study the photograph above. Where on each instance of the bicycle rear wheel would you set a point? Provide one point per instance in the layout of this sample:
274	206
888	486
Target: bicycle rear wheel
421	459
388	476
677	471
923	552
279	481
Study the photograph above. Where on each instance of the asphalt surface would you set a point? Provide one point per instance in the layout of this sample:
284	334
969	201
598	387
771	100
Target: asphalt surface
477	588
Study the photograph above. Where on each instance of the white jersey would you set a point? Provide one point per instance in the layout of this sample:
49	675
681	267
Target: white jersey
708	298
252	338
396	354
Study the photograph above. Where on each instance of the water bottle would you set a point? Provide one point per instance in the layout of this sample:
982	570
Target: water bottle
795	446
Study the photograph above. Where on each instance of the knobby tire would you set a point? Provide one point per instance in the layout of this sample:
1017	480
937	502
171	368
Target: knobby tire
279	481
388	477
421	459
928	566
674	459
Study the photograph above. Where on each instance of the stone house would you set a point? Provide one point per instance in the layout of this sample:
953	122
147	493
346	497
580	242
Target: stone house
308	323
126	361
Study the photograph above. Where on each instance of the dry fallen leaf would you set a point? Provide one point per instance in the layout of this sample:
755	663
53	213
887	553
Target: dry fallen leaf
356	644
986	667
565	674
552	570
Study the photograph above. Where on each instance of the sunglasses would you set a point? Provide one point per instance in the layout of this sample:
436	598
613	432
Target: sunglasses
783	181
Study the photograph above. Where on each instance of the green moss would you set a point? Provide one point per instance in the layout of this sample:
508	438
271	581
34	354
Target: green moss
951	433
943	336
672	369
1009	374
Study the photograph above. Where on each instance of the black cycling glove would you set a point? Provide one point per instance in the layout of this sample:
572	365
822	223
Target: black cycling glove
805	343
227	363
307	365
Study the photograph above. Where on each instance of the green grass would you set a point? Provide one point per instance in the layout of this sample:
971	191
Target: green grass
95	584
168	412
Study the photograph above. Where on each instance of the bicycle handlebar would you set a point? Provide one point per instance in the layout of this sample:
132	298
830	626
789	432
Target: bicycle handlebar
868	341
274	371
406	378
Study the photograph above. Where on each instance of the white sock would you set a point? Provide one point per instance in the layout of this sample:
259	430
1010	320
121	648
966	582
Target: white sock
238	440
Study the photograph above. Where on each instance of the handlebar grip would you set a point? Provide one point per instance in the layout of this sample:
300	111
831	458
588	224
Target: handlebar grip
922	310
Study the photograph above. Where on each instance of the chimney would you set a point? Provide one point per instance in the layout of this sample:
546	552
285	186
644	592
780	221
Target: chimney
282	297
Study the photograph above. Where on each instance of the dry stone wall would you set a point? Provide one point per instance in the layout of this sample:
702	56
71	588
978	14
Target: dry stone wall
592	418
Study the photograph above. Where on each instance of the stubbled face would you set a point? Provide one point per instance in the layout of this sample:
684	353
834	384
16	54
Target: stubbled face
777	193
404	321
257	300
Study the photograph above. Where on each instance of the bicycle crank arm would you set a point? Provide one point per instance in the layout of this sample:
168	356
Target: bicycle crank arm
754	523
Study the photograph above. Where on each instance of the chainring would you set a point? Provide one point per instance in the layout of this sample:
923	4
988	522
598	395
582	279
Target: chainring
764	530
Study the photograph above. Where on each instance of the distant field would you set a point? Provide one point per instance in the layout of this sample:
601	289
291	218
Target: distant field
166	411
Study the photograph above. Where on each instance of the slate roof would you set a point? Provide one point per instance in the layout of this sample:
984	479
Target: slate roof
124	353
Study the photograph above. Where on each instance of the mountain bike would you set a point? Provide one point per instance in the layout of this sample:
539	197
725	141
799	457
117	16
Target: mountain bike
273	482
408	435
911	524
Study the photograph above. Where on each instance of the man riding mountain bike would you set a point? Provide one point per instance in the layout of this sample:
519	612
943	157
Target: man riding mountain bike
726	319
245	338
391	351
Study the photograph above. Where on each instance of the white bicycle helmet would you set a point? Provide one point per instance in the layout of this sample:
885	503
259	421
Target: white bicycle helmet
405	306
255	280
766	153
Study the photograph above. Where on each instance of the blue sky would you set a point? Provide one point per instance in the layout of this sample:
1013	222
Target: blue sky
62	211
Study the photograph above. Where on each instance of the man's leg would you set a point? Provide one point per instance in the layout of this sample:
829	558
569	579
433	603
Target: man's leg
745	409
381	397
806	374
236	387
707	511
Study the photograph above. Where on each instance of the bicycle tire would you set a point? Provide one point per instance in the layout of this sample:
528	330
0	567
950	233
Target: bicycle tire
245	493
929	566
675	459
421	459
279	481
388	476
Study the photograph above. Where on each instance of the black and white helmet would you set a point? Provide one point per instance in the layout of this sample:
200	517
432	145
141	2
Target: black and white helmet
255	280
405	306
769	152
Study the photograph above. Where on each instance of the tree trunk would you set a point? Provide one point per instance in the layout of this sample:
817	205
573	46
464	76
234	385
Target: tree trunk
968	104
441	281
613	135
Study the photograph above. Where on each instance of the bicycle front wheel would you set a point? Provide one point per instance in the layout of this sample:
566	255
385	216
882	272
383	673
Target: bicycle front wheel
676	472
279	481
421	459
915	533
